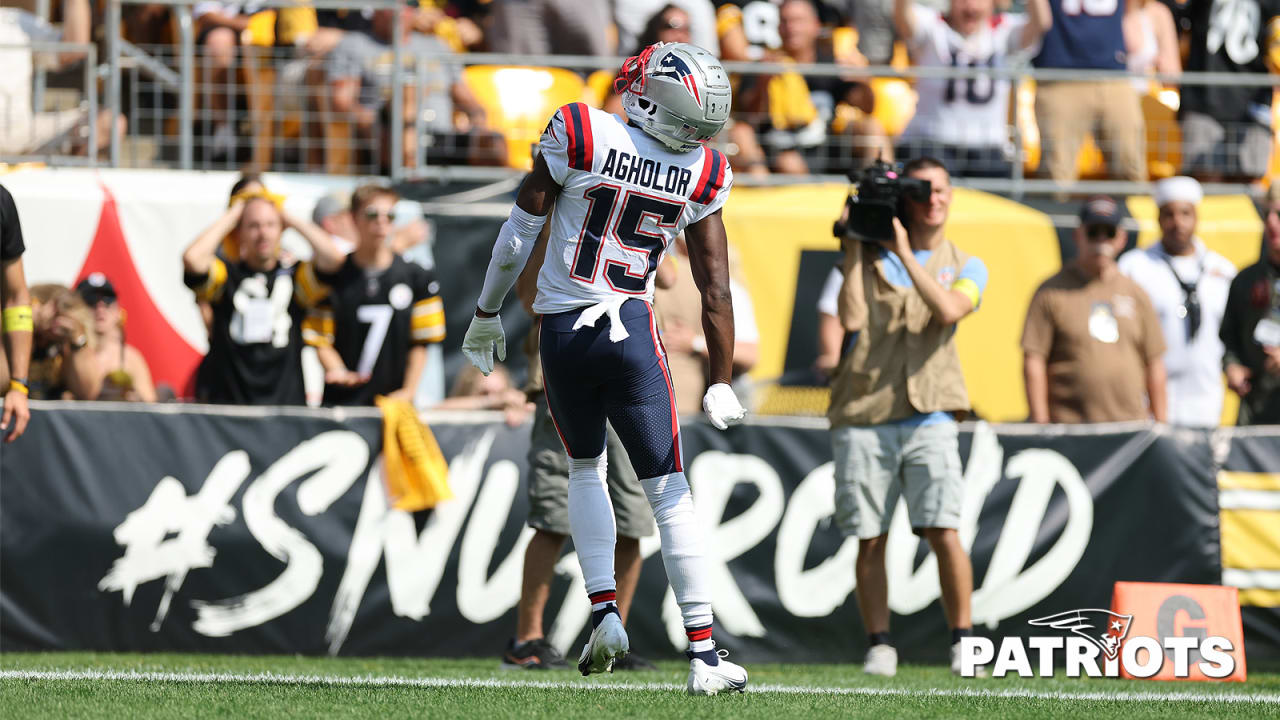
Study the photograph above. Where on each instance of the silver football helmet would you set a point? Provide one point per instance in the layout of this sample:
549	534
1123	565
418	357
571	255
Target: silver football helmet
677	93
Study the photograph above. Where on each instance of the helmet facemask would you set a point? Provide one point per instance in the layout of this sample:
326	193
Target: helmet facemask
692	83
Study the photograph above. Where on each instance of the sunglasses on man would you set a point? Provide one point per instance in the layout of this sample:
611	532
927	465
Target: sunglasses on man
375	214
1100	232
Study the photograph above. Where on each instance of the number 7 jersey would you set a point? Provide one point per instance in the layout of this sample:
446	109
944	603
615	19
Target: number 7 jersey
624	199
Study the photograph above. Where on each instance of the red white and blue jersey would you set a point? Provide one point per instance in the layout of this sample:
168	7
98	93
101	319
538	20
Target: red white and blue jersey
625	197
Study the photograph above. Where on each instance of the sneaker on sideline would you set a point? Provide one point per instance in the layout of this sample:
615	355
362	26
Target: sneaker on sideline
882	660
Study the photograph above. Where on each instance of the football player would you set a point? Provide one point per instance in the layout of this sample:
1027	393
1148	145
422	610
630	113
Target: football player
621	193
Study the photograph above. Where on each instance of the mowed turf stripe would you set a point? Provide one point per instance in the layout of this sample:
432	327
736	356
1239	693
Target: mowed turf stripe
430	682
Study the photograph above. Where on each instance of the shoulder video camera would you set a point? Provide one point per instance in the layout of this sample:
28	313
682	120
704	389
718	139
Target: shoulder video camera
876	200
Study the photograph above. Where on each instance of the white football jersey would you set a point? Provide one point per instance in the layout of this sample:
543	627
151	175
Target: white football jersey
963	111
625	197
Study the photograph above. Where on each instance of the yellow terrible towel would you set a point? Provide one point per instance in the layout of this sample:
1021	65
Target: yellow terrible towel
413	467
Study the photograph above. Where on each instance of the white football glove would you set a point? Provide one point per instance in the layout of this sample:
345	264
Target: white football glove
478	343
722	407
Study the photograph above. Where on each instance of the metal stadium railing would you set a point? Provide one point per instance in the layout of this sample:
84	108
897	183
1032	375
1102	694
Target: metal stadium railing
275	108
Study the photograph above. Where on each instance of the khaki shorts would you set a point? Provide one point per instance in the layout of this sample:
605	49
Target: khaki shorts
549	481
876	465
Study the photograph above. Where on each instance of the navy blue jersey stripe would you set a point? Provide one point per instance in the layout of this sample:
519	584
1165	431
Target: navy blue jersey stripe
577	160
708	190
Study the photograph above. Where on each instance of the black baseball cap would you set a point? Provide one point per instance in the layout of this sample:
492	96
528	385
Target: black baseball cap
1102	210
96	287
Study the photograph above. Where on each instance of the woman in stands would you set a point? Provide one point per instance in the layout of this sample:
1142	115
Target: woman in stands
64	364
126	375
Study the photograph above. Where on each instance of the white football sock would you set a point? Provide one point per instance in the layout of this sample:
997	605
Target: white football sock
682	546
591	522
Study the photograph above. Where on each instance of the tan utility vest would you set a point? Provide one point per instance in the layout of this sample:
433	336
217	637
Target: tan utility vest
903	362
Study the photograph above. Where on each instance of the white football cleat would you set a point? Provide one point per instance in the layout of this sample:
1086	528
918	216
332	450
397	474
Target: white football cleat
707	679
881	660
608	642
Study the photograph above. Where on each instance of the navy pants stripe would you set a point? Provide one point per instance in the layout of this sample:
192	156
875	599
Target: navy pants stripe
589	378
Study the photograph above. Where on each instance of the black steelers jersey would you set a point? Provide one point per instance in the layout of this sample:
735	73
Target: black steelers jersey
255	341
11	247
1231	36
373	318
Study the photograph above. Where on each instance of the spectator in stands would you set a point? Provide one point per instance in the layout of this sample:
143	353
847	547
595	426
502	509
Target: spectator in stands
27	129
1068	110
1092	345
964	121
1151	40
669	24
15	322
547	27
1187	284
258	302
333	214
1251	328
64	364
379	314
359	73
873	21
678	307
1226	128
473	390
448	22
747	29
125	373
894	399
643	22
221	29
791	114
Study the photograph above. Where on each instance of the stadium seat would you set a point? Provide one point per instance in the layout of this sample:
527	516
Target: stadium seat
1023	116
1090	163
1164	135
599	85
895	104
519	100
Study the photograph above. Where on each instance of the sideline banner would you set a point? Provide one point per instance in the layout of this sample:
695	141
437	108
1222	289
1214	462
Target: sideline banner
1249	500
242	530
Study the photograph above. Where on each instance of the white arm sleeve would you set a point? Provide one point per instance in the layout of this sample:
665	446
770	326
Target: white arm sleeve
510	253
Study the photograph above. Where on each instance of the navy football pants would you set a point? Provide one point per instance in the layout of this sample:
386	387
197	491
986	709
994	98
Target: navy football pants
589	378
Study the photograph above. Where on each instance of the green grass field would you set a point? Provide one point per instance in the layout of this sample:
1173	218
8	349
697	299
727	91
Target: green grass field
71	685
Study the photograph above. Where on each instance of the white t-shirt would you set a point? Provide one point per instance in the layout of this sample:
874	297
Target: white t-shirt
1195	368
744	314
972	111
829	298
624	198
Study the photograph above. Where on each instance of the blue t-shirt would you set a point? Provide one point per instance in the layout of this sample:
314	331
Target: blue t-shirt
1091	38
971	280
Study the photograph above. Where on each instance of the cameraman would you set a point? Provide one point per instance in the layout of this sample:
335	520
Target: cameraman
893	397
